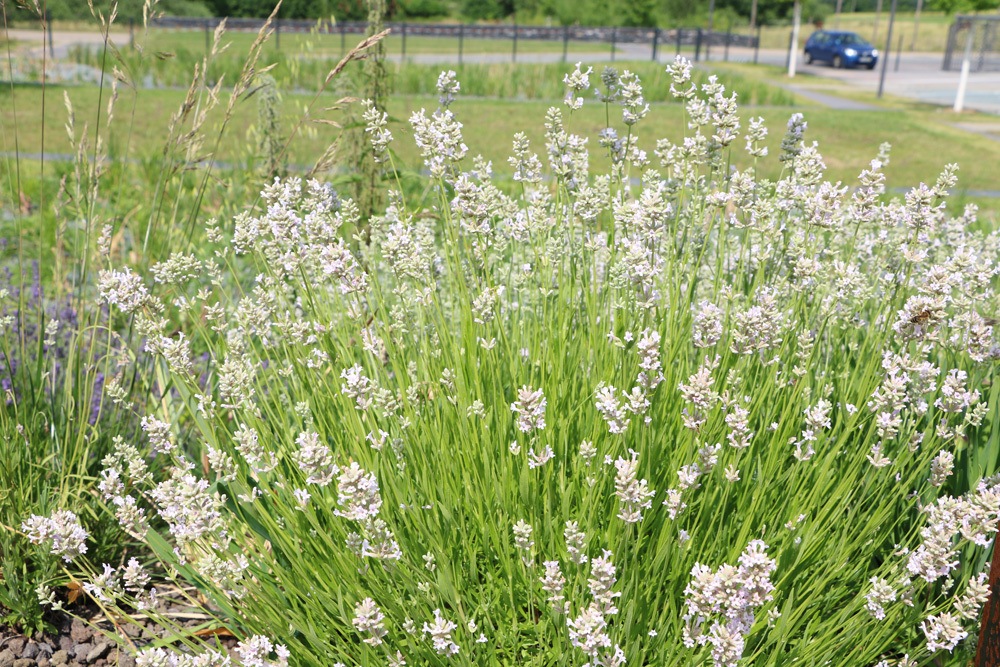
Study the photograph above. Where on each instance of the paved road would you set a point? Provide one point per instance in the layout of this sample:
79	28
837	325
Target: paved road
919	77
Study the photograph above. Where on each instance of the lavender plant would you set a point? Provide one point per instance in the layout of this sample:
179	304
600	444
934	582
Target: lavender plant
672	414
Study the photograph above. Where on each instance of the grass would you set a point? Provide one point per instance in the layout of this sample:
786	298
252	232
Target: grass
922	139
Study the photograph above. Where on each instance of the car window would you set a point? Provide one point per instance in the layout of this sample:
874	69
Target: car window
851	39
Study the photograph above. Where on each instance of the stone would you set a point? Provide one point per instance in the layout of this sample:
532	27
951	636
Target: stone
126	660
98	652
7	658
59	658
66	643
31	650
79	632
81	651
42	661
16	645
24	662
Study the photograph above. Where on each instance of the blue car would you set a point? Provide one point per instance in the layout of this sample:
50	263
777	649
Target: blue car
840	49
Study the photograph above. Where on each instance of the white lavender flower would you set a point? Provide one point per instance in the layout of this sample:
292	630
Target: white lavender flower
553	583
588	632
376	126
523	539
439	139
791	143
943	632
941	467
614	412
707	324
540	458
732	594
440	631
160	439
124	289
680	78
602	580
576	544
256	651
369	620
358	387
314	459
972	601
62	529
632	492
530	409
189	508
577	81
878	597
358	494
447	87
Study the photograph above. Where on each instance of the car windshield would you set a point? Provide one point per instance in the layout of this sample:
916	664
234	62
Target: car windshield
850	38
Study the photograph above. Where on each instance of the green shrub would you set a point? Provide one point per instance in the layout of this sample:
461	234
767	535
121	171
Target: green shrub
673	413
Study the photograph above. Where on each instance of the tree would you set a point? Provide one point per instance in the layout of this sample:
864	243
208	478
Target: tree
640	13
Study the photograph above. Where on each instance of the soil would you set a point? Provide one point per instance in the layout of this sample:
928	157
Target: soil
96	642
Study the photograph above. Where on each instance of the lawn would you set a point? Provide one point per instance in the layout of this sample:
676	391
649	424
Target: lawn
923	139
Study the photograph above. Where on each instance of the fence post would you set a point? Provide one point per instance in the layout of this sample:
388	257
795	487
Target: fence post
614	42
513	53
404	40
207	45
697	45
131	33
277	34
656	43
950	46
729	37
461	41
899	50
343	40
679	31
565	41
756	47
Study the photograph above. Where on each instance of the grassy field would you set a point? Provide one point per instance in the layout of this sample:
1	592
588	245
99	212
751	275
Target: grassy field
923	139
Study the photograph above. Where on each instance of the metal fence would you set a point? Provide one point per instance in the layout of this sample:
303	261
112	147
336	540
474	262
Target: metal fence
659	41
977	36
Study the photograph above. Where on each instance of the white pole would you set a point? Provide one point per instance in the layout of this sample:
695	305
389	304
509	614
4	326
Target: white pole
836	15
793	48
963	78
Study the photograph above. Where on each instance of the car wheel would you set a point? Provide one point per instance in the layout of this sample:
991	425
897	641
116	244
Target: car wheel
838	62
809	58
871	65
